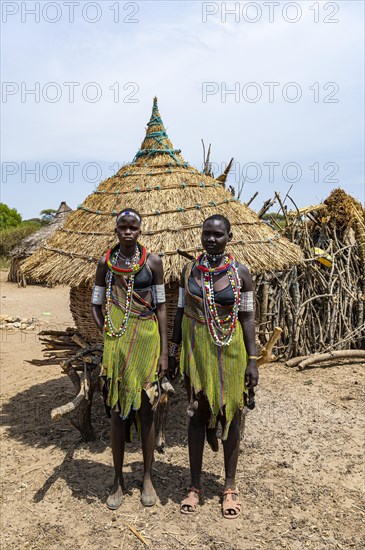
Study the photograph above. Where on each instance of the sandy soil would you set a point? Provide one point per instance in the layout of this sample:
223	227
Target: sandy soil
300	470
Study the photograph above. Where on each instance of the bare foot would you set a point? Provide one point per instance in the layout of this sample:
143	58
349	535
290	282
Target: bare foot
116	495
149	496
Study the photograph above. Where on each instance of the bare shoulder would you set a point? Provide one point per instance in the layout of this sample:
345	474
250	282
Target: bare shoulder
154	261
101	271
182	277
245	276
243	270
184	269
102	261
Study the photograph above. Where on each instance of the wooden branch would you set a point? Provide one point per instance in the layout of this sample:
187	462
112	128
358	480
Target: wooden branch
137	534
265	207
341	354
80	354
252	198
296	360
185	254
223	177
44	362
57	354
314	298
58	412
306	209
277	195
273	220
266	352
79	341
68	332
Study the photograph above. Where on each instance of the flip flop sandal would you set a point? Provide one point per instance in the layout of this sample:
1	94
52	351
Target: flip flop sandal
231	504
190	504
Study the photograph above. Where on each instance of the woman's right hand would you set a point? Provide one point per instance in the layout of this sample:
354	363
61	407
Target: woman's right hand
172	367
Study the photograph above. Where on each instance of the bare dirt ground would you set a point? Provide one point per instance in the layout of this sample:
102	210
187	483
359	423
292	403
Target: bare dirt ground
300	470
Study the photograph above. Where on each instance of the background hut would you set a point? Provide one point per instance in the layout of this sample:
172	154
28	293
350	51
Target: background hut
31	244
174	199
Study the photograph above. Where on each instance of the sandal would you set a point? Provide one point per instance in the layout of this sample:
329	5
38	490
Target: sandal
231	506
190	504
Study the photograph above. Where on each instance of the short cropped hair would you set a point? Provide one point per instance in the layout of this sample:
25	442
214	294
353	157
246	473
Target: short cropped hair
220	218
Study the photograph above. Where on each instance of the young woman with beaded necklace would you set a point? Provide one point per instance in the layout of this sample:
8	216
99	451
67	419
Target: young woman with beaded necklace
215	322
129	281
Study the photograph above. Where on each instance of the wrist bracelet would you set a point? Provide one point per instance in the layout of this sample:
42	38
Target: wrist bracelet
252	357
173	349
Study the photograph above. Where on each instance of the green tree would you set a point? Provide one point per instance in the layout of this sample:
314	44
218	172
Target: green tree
47	215
9	217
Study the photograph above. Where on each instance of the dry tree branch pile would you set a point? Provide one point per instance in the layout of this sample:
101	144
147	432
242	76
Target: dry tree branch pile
320	305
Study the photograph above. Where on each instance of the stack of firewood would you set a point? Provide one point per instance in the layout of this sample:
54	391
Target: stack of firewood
320	305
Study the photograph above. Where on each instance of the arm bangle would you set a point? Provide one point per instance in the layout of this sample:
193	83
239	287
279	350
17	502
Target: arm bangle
252	357
159	294
181	300
98	295
246	301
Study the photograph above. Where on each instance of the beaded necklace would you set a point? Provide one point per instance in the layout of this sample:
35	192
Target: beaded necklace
221	336
112	257
128	260
136	267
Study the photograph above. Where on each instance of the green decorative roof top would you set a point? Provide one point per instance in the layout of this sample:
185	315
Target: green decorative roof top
157	142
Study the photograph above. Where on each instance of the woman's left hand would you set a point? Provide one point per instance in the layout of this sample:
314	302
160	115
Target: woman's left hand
162	366
252	374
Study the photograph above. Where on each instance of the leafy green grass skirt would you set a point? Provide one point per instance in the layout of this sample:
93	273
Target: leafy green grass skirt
130	361
217	372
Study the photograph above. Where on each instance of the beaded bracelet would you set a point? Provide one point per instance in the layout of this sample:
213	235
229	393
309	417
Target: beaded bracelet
173	349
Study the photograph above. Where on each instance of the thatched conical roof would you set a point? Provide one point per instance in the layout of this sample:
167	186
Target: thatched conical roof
32	242
174	199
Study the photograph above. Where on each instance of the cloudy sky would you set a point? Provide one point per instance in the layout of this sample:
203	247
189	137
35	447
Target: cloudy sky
277	85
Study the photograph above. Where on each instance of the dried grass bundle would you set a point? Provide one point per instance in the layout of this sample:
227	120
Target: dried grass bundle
174	199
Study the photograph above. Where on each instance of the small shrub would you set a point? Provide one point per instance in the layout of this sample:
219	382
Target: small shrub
12	236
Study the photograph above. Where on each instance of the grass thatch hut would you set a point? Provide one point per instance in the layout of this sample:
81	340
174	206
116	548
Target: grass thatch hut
174	198
30	244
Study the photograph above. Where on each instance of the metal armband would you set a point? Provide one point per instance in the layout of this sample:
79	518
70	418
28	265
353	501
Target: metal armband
98	295
159	294
246	302
181	300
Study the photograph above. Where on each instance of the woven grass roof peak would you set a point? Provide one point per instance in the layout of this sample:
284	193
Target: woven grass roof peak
174	199
157	146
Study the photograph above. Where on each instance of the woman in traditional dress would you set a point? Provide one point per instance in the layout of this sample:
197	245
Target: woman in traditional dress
215	323
129	281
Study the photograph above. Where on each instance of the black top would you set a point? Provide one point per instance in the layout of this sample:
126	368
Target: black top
224	297
144	278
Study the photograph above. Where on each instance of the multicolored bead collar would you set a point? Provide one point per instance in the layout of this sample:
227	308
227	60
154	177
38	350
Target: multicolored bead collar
214	270
133	270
